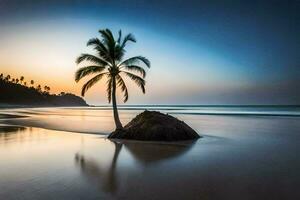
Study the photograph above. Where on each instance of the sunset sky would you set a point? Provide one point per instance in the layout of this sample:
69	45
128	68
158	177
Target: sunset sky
202	52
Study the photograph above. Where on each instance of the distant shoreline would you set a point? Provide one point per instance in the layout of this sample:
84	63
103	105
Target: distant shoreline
8	106
14	94
198	105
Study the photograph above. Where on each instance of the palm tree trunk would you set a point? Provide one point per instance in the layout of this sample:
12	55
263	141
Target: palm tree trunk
114	103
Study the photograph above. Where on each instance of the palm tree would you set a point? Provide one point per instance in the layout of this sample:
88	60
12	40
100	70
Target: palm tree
32	83
1	76
109	62
39	88
17	81
7	78
21	79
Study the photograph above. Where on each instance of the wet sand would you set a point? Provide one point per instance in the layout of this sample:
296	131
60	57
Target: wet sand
242	157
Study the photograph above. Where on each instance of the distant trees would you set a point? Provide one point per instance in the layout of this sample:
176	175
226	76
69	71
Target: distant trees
45	90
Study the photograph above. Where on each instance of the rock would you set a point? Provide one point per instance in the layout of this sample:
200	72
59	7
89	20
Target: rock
155	126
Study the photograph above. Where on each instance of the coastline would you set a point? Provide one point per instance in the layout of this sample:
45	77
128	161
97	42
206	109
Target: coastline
11	106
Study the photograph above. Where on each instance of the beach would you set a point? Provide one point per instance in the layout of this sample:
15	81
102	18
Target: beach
63	153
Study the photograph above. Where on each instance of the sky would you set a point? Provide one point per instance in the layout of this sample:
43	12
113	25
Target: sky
201	52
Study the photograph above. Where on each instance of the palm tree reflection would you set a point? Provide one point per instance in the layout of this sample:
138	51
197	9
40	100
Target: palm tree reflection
105	178
144	153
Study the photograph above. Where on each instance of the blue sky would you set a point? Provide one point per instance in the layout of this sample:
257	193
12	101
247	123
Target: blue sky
202	52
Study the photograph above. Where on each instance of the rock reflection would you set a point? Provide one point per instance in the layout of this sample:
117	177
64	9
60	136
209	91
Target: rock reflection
145	153
151	153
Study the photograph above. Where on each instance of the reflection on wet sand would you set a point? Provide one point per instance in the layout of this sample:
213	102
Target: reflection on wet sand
6	132
145	153
105	178
5	129
11	129
150	153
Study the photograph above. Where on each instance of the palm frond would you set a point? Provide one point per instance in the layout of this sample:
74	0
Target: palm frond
120	47
84	71
135	68
109	33
105	34
138	80
109	41
100	48
135	60
91	82
120	37
127	38
119	53
122	85
91	58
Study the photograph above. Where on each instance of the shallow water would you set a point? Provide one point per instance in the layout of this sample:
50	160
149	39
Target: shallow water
239	157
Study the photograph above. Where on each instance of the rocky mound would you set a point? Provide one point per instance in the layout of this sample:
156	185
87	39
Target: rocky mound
155	126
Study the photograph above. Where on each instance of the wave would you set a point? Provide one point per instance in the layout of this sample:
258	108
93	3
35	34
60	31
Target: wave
210	110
